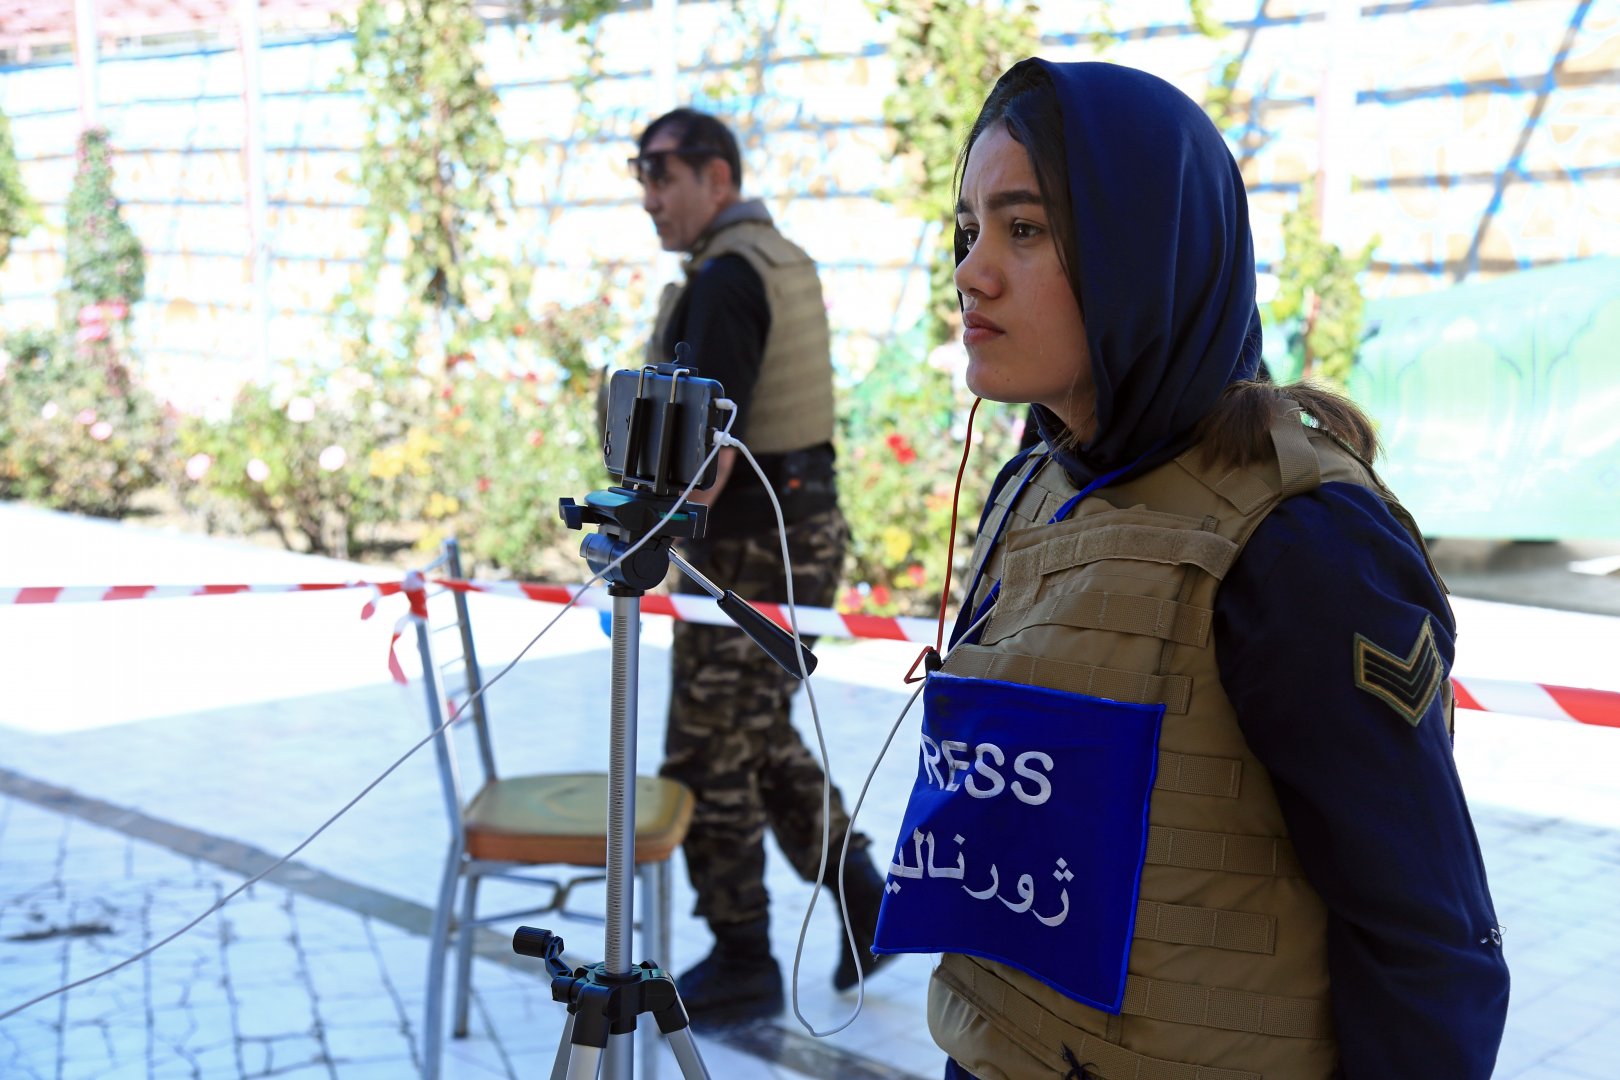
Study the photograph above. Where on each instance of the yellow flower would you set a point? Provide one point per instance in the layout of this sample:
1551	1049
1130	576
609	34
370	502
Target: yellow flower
896	543
440	505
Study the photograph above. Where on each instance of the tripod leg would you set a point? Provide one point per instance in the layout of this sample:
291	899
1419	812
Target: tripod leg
692	1067
565	1047
582	1062
620	1060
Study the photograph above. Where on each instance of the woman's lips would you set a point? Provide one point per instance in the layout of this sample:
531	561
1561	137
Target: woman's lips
976	329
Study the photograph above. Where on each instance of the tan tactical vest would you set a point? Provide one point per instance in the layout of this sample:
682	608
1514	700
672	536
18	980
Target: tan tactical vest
792	405
1227	978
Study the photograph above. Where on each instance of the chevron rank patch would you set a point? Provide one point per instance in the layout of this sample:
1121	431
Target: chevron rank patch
1406	684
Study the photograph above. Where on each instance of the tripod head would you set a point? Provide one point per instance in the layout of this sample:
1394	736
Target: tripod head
623	517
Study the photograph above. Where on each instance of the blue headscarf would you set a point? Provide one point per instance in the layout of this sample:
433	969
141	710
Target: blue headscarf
1166	261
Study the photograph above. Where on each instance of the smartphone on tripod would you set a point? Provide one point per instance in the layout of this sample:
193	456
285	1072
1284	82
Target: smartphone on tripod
660	423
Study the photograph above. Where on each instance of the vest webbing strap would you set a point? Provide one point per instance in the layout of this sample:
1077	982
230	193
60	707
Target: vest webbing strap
1228	1010
1166	620
1240	487
1196	775
1295	456
1045	1035
977	661
1235	931
1144	543
1190	849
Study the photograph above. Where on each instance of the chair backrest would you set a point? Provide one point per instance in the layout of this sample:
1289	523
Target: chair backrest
474	709
473	677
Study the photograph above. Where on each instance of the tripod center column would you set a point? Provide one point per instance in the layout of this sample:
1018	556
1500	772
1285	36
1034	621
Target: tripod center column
622	783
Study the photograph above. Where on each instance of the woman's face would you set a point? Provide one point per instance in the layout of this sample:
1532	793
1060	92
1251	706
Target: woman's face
1022	328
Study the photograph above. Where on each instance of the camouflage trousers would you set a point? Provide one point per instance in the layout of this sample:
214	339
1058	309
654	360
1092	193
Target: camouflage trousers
730	737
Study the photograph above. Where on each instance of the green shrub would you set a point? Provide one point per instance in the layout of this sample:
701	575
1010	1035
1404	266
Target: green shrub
327	460
74	434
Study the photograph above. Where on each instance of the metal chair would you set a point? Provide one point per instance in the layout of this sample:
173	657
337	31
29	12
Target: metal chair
514	823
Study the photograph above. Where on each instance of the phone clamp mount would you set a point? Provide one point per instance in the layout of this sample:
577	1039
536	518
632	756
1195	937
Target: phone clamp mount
655	443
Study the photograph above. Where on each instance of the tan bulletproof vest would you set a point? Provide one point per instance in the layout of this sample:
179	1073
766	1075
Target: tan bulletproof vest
792	404
1227	977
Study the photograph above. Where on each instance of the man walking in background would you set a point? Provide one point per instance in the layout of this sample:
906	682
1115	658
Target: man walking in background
751	308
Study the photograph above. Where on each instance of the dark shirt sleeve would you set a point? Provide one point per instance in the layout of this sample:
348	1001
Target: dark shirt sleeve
725	317
1320	635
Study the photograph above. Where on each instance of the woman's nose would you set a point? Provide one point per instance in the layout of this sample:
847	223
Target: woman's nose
977	274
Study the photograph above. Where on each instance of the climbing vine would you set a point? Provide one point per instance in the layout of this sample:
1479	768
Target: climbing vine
434	169
947	55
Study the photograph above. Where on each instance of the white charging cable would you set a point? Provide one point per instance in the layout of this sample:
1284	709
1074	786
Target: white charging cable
723	403
725	439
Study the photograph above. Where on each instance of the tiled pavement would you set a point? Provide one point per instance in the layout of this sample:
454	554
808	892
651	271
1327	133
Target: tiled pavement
123	815
282	984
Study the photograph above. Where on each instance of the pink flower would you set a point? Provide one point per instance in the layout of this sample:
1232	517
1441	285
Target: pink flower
86	417
300	410
258	471
333	458
115	310
93	332
100	431
197	466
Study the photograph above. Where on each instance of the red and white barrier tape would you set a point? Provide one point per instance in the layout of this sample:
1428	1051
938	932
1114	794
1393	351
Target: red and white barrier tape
822	622
78	594
1599	707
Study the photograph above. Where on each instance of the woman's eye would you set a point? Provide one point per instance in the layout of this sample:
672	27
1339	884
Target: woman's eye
969	233
1023	230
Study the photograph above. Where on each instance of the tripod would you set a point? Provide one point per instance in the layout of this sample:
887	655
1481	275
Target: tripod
605	999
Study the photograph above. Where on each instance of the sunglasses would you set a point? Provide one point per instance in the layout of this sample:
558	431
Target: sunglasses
652	167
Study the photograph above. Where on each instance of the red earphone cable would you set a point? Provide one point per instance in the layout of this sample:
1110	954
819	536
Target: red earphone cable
950	550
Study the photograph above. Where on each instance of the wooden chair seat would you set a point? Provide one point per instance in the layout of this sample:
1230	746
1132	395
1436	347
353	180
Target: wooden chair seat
559	818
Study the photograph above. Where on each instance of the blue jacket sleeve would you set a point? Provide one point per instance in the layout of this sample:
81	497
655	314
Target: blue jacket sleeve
1333	638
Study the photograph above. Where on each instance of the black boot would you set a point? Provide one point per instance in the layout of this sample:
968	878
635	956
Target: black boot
863	889
738	981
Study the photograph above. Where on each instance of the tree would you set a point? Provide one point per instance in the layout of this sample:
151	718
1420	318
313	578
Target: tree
106	267
1318	299
18	212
